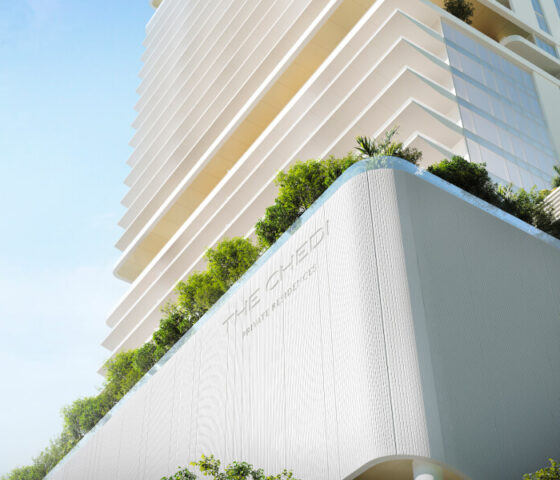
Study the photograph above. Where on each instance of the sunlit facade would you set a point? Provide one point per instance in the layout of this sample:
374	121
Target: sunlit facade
399	347
196	85
234	91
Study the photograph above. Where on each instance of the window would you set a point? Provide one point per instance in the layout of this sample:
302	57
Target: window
547	47
540	15
557	3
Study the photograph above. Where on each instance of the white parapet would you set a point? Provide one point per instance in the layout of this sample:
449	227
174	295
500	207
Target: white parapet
396	320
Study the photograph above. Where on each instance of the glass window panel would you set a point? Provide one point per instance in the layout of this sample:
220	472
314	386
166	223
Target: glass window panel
478	98
541	183
505	140
543	137
490	80
461	88
454	58
525	102
512	93
513	171
472	69
518	149
547	47
474	151
527	180
557	3
532	155
527	80
498	109
495	163
503	65
548	163
466	116
540	15
503	93
486	129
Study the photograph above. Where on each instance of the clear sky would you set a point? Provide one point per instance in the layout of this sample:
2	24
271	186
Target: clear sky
68	75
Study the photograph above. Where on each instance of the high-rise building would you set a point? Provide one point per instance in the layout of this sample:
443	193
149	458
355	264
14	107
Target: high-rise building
404	329
234	91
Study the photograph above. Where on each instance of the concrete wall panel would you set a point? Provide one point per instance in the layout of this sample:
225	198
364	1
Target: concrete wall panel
398	317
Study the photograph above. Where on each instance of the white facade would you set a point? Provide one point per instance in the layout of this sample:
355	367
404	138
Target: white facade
233	91
395	321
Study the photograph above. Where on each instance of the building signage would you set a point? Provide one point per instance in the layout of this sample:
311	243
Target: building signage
278	284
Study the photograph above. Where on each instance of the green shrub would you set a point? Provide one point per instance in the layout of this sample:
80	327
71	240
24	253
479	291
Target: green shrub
145	357
210	466
469	176
25	473
44	462
298	188
121	375
462	9
528	206
547	473
556	179
83	414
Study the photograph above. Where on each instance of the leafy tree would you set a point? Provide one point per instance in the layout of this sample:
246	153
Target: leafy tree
145	357
25	473
83	414
556	179
462	9
121	376
51	455
44	462
227	262
547	473
211	467
230	259
298	188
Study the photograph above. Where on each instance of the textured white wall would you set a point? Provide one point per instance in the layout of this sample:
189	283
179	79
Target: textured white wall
397	319
487	315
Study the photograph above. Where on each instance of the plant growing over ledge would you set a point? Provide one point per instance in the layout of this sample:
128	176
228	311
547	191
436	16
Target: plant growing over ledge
528	206
210	466
462	9
369	147
546	473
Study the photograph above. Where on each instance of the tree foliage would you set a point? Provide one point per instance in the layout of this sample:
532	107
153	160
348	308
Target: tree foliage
556	178
529	206
211	467
298	188
82	415
462	9
44	462
547	473
369	147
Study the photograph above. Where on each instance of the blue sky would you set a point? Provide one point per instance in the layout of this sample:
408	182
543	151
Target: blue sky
68	75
